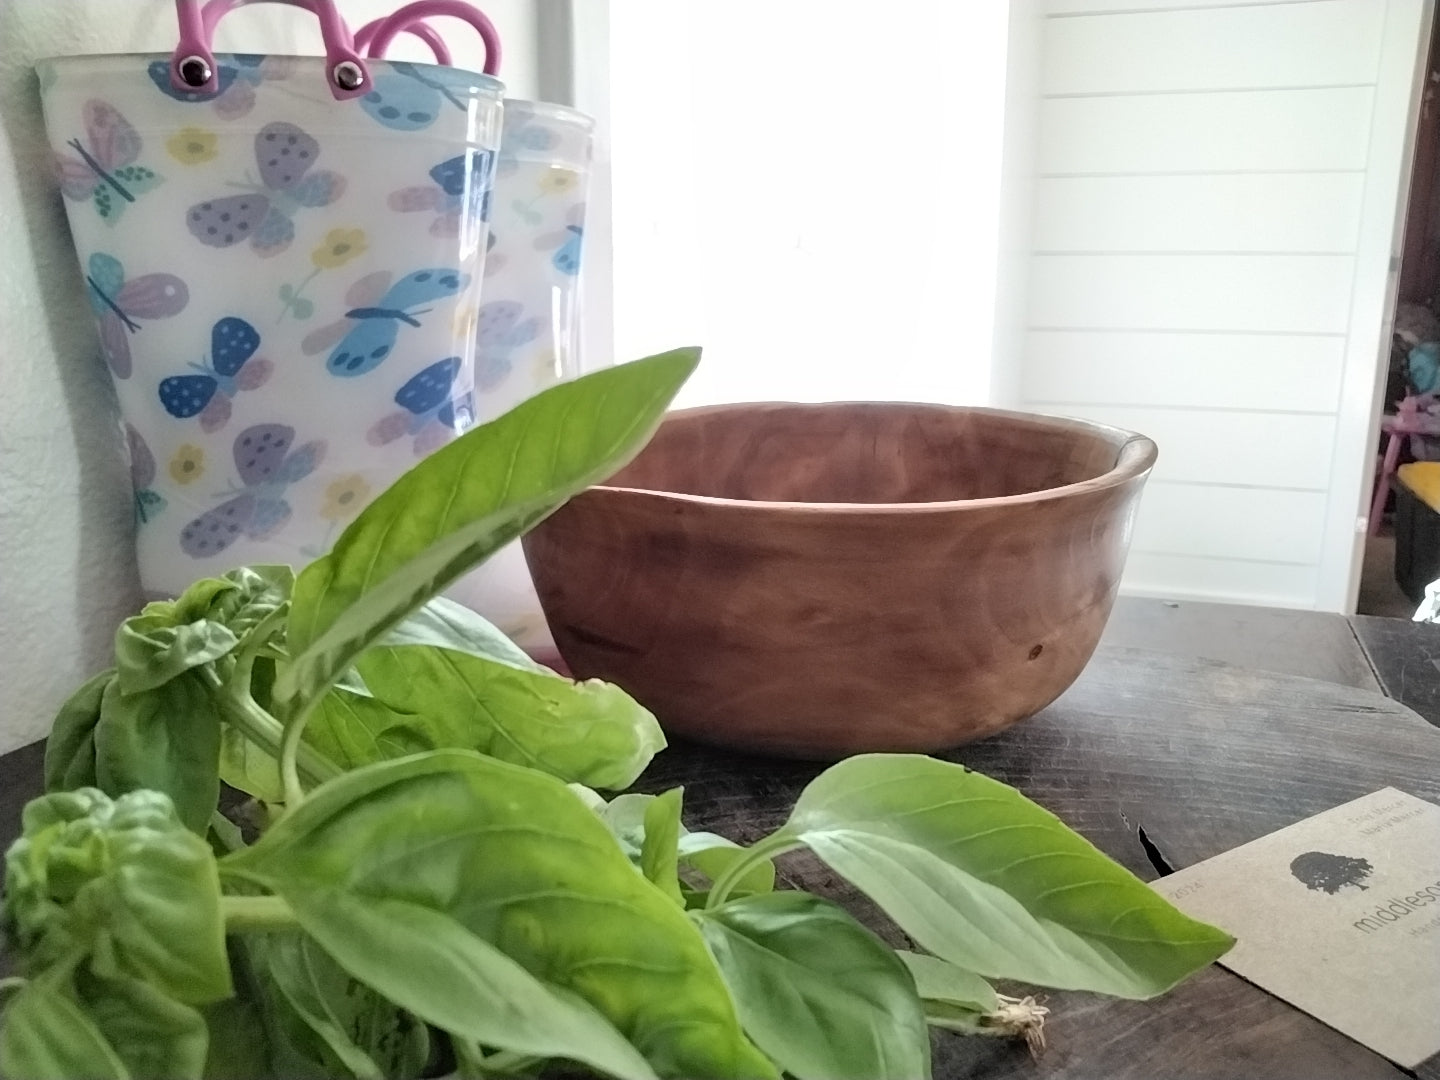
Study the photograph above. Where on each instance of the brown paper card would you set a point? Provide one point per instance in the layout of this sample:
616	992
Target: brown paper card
1339	915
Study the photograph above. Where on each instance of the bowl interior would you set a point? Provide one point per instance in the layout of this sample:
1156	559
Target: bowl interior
868	452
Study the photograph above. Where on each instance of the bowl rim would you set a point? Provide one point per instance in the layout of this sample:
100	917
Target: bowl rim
1135	456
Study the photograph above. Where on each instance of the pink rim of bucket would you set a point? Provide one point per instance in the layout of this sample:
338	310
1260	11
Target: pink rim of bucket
346	72
403	18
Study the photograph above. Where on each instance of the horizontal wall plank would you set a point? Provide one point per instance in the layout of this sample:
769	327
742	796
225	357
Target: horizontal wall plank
1214	371
1189	577
1289	212
1200	447
1238	48
1218	132
1067	8
1285	293
1227	522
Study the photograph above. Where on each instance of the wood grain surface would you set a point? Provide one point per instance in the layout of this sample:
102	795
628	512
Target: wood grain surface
1406	658
820	580
1199	755
1312	644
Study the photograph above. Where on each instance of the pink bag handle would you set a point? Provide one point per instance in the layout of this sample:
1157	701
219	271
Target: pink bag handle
192	65
421	29
409	18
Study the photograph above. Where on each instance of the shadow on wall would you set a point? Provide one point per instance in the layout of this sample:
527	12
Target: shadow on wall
67	562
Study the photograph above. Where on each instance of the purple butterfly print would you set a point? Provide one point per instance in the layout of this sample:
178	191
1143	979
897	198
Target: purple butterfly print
118	303
264	216
499	331
148	501
237	99
267	467
104	172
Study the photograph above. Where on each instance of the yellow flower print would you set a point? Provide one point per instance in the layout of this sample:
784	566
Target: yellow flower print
188	464
338	248
192	146
345	497
557	180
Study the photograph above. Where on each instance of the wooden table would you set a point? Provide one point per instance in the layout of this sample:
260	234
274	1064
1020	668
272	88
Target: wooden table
1196	728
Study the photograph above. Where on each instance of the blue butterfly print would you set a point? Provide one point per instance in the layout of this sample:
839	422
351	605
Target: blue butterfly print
408	96
264	216
368	331
459	194
499	331
267	467
430	413
232	367
522	132
566	243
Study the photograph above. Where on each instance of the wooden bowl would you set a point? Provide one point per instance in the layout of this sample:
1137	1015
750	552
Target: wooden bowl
822	580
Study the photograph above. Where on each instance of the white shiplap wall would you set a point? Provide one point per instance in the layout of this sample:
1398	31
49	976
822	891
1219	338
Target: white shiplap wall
1213	184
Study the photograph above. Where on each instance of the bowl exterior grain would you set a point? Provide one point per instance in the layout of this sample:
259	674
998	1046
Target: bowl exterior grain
817	581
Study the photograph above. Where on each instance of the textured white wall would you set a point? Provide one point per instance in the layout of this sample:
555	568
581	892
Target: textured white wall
67	567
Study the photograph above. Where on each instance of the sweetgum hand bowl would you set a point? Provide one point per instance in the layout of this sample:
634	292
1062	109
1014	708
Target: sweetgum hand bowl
821	580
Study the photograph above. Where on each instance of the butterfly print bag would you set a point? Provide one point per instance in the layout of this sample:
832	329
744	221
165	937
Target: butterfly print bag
285	334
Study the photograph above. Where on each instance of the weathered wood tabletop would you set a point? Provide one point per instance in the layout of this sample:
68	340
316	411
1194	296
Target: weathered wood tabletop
1196	728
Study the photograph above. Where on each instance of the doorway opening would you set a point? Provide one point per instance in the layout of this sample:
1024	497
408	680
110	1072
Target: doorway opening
1402	543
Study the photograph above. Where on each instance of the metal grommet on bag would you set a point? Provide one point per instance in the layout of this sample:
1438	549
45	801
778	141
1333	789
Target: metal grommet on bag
194	71
348	75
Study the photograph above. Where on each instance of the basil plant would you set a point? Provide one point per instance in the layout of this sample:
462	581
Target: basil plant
427	882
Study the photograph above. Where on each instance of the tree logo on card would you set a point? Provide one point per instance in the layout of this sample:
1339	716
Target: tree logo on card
1318	870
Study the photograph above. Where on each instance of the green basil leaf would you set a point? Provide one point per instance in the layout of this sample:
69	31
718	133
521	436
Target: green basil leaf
238	599
712	855
354	730
425	961
593	800
259	591
196	602
940	981
706	852
658	857
248	767
463	503
154	1035
124	882
70	750
239	1046
45	1035
515	859
360	1031
256	1033
206	622
149	651
447	625
981	876
588	732
818	992
165	739
624	816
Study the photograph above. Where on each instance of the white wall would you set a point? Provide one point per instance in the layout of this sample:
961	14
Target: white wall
811	190
67	569
1217	186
